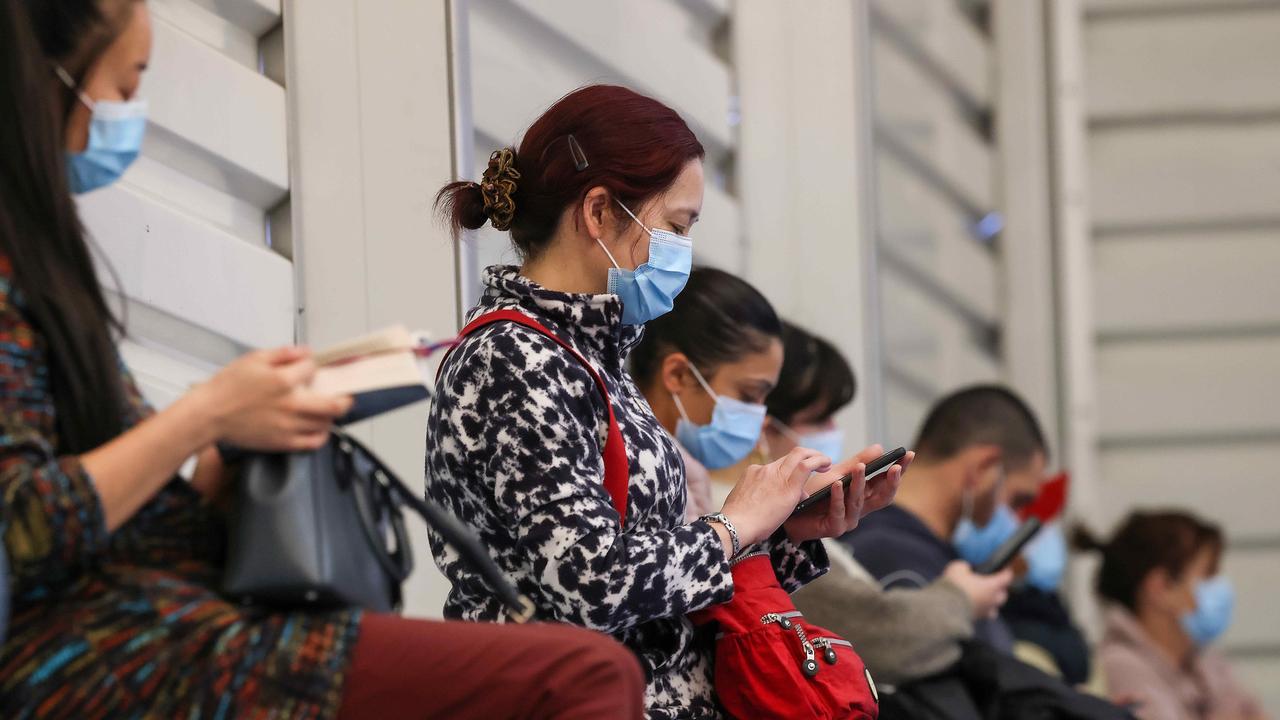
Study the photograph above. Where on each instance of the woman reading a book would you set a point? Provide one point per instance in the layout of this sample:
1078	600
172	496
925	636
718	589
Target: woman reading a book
113	559
540	440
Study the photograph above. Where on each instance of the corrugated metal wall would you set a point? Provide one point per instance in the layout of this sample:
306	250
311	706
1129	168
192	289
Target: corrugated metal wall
187	228
936	179
1183	110
526	54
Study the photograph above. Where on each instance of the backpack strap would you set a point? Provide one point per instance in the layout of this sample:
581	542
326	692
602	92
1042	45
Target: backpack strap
616	470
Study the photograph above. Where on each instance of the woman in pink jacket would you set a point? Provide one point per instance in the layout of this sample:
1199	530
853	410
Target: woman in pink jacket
1166	603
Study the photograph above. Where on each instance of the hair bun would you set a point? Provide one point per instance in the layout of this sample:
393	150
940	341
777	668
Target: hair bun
497	185
1085	541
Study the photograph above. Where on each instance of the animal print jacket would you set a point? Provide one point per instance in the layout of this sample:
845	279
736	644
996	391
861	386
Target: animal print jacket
514	450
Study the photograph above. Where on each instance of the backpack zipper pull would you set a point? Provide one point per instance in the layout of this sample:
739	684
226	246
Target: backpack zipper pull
810	665
828	652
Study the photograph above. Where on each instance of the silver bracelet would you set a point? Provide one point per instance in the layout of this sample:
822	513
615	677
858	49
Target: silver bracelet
728	525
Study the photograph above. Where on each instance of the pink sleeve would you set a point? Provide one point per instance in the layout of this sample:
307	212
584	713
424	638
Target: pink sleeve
1230	698
698	502
1130	679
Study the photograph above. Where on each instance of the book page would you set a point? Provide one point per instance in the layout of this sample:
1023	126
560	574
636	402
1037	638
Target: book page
396	337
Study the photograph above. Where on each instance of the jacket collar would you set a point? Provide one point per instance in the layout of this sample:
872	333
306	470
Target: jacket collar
591	322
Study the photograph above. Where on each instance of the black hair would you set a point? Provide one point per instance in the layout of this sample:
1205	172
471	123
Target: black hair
814	373
1145	542
978	415
55	285
718	318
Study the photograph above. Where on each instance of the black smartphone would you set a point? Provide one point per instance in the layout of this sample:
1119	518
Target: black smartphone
1010	548
874	468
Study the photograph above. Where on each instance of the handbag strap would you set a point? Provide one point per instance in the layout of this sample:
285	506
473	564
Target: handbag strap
617	474
374	503
458	536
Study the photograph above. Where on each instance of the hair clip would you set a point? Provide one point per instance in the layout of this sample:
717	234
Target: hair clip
579	157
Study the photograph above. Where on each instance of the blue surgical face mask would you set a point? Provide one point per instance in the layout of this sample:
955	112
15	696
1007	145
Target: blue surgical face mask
650	290
828	442
734	429
976	544
115	139
1215	601
1046	557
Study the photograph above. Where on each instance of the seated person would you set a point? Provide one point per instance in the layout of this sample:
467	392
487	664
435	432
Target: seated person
1040	621
1166	602
981	454
900	635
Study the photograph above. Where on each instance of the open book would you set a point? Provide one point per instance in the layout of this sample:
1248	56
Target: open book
382	371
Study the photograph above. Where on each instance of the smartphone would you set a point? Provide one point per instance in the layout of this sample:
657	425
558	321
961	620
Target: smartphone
874	468
1010	548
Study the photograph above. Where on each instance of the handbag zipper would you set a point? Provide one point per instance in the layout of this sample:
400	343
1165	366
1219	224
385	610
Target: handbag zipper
809	665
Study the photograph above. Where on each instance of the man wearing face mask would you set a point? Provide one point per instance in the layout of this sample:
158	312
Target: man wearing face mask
1036	613
981	454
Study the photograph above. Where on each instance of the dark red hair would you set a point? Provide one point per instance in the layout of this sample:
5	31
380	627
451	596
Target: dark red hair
634	146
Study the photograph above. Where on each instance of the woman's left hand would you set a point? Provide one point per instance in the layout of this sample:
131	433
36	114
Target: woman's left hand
847	506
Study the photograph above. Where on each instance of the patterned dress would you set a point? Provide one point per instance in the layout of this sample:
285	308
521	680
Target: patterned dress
514	450
129	624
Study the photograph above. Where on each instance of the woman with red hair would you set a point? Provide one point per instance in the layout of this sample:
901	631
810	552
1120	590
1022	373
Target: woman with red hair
114	561
540	440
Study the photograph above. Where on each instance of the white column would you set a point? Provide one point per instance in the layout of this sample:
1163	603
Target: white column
370	144
1029	342
1072	228
803	177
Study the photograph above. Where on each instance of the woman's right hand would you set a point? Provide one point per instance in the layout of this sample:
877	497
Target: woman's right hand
986	593
767	494
261	402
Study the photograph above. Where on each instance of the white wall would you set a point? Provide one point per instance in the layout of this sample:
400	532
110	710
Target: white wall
801	175
1183	170
370	117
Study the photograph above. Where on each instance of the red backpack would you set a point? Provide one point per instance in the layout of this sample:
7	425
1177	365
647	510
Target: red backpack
770	662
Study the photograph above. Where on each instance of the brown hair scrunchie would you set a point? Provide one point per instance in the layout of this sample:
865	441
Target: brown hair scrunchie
497	185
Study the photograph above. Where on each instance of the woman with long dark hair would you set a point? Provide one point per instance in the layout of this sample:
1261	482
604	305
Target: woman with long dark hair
540	440
114	559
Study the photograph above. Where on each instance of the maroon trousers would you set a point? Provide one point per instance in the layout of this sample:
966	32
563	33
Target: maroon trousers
404	668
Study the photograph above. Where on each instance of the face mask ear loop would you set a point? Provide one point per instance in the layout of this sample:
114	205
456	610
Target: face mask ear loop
633	215
785	429
701	381
70	82
606	252
680	407
601	242
966	504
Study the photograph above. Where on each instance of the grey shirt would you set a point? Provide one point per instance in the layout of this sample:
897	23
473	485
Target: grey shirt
900	551
901	634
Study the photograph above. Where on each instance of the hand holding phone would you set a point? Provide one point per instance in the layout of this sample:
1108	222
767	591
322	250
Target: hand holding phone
874	468
1010	548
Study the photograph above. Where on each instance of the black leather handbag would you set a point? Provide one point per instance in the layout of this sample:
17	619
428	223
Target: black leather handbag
326	529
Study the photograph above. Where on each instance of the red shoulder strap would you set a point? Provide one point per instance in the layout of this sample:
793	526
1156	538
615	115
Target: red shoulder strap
616	472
